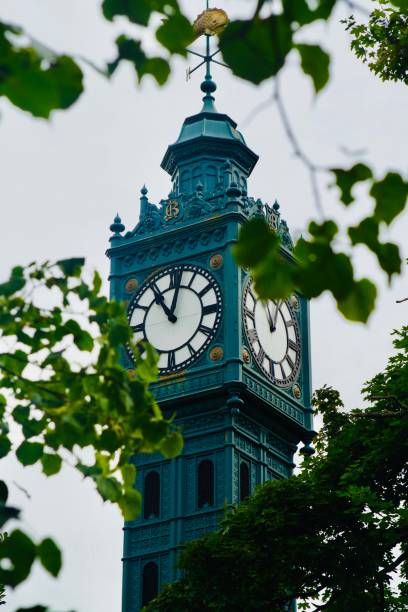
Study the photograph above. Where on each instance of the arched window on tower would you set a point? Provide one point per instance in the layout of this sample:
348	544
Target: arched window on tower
205	484
151	498
244	488
150	582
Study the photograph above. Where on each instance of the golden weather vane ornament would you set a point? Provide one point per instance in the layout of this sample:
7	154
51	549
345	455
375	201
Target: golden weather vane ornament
209	23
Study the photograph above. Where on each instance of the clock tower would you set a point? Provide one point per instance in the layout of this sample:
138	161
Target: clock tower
234	370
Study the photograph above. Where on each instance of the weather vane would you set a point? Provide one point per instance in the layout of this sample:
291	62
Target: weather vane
210	22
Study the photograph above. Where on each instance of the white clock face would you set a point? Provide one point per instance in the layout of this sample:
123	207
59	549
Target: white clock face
273	335
178	311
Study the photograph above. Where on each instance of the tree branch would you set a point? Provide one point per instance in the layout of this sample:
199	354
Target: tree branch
312	168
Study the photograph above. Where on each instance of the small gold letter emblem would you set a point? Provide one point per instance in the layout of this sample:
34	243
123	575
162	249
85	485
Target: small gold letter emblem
172	210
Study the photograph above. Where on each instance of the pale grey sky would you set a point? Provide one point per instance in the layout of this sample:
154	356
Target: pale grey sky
62	182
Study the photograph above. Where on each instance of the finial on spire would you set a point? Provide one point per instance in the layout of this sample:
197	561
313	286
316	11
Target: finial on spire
117	226
210	22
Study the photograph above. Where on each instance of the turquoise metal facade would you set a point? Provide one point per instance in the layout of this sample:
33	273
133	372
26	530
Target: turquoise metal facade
229	412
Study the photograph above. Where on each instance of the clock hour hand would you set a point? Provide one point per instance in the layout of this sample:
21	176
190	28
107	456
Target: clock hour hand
159	299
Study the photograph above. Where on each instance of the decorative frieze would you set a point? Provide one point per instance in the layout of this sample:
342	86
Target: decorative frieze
279	445
203	443
146	539
248	426
195	527
247	446
188	385
203	422
262	391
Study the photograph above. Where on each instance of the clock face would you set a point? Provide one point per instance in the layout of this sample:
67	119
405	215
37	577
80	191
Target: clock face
273	335
178	311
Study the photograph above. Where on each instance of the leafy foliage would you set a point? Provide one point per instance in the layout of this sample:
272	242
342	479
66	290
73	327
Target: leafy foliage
382	43
34	79
335	533
65	389
319	266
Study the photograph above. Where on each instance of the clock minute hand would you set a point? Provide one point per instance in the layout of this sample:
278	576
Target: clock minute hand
269	317
160	300
275	318
175	295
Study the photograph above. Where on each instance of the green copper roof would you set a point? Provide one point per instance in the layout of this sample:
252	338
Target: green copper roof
209	131
211	124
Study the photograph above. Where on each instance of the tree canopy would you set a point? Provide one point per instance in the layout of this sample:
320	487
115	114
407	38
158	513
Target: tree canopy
334	536
64	389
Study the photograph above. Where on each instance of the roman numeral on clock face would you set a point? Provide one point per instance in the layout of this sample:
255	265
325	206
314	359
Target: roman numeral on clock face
171	359
205	330
175	278
210	309
293	345
138	328
253	335
204	290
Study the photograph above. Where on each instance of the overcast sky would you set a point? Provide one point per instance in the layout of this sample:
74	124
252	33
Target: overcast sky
61	183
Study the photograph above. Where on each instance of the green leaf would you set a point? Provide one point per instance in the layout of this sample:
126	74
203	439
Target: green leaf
254	243
128	474
130	504
51	464
108	441
137	11
131	50
37	85
146	366
119	334
360	302
84	341
3	492
109	488
158	67
11	286
7	513
391	196
346	179
256	49
20	550
50	556
274	277
388	254
29	453
176	34
21	414
72	266
5	445
316	63
172	445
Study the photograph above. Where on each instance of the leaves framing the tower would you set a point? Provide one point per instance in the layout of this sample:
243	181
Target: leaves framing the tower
273	335
178	311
